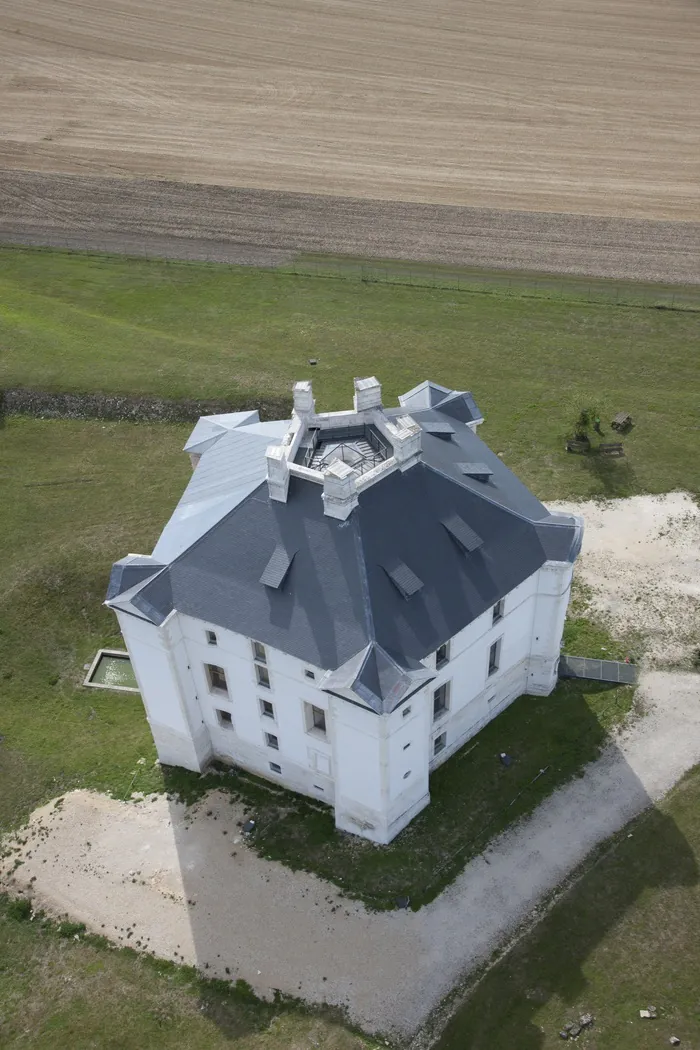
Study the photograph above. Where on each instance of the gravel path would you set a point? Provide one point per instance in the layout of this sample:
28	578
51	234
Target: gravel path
190	889
267	228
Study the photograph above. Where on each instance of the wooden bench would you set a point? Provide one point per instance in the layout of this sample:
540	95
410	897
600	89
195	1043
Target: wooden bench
578	446
611	448
621	422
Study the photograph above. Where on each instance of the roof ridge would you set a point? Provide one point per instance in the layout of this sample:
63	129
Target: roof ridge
362	574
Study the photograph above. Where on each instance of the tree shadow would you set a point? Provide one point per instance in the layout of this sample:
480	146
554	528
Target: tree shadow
256	921
615	475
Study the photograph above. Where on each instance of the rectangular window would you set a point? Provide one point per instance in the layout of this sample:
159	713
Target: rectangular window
439	743
262	675
259	653
310	674
272	741
441	700
442	656
406	746
315	719
494	656
211	638
216	677
267	709
498	610
224	719
406	712
275	768
407	774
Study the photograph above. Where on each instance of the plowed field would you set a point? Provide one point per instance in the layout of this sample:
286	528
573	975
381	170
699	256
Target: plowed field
573	106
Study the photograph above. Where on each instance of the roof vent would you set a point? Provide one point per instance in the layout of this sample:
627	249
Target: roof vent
478	471
463	534
441	430
403	578
277	568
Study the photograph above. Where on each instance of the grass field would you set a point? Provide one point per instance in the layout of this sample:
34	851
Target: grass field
79	323
625	937
58	993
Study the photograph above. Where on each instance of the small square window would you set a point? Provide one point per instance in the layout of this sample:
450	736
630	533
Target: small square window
498	610
406	712
262	675
225	720
442	656
275	768
216	677
441	700
267	709
494	656
440	743
272	741
211	638
259	653
310	674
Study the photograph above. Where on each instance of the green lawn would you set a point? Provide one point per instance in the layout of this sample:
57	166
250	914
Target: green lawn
80	494
78	322
58	993
626	936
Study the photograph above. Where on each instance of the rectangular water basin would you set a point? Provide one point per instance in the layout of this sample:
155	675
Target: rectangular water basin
111	669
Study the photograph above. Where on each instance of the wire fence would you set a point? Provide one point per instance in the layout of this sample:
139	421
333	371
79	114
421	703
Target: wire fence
525	285
572	288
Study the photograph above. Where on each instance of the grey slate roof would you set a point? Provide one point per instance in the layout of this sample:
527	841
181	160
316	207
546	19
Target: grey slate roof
321	589
129	571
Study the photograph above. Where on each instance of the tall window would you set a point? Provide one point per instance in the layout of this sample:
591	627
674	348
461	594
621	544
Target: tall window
494	656
498	610
315	718
216	677
442	656
441	700
259	654
439	743
262	675
211	637
267	709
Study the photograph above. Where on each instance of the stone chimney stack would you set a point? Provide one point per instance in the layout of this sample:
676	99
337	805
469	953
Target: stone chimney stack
406	440
277	472
304	402
339	490
368	394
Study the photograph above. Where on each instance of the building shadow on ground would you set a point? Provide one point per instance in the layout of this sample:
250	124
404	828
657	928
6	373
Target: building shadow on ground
250	921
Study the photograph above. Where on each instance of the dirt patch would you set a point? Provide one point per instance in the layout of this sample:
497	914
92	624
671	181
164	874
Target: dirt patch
641	563
265	228
559	106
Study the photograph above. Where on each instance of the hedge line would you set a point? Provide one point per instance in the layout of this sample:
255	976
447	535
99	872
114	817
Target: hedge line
141	409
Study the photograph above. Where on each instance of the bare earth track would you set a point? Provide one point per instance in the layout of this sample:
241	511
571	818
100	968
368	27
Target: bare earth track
261	227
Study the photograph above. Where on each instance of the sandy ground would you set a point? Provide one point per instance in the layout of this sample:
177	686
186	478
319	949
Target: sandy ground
641	561
265	228
590	107
186	886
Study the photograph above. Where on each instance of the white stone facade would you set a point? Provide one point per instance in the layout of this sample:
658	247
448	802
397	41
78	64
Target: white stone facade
374	769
